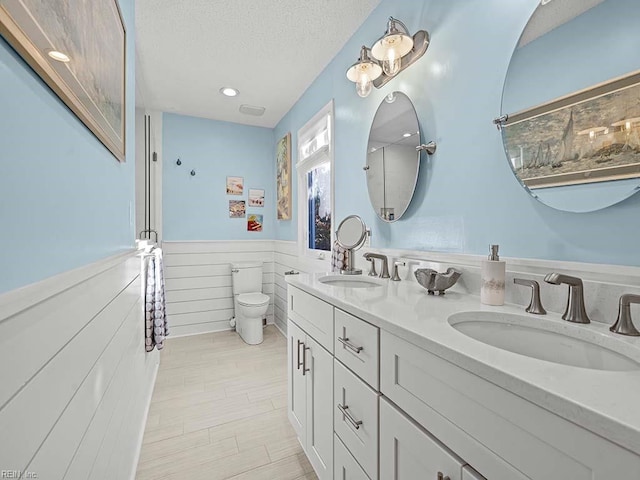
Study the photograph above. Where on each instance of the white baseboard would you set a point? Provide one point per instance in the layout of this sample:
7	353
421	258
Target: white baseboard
147	400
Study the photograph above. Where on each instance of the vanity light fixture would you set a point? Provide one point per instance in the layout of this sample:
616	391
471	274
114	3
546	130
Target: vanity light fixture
364	72
391	54
59	56
229	91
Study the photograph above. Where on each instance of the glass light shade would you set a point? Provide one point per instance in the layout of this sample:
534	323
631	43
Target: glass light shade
363	73
364	85
391	66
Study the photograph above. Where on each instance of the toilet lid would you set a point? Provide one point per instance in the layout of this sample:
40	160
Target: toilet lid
250	299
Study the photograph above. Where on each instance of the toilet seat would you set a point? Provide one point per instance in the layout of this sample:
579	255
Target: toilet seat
253	299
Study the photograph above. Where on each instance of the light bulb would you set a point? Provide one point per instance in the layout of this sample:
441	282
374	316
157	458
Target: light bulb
364	85
391	64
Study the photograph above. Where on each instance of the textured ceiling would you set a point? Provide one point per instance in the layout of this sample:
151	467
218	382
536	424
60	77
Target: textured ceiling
552	15
270	50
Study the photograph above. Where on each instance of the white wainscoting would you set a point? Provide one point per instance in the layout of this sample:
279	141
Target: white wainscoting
286	259
76	381
198	282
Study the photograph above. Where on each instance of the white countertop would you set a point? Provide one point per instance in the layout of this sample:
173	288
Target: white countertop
604	402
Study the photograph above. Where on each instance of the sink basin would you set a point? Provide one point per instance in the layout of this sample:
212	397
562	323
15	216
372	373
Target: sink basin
553	341
349	281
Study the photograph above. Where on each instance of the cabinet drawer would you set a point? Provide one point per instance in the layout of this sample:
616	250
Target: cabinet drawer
502	435
355	418
345	466
356	344
313	315
407	452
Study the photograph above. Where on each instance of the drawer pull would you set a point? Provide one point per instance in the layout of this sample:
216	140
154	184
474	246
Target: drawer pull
304	360
291	272
300	362
349	345
356	423
442	477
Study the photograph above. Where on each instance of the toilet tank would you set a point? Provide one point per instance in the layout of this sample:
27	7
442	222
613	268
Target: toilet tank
246	277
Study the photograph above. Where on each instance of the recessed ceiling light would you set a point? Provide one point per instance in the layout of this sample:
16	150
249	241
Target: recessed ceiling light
406	135
59	56
229	92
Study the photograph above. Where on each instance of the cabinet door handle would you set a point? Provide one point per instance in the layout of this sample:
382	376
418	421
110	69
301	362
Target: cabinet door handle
304	359
299	361
349	345
442	477
356	423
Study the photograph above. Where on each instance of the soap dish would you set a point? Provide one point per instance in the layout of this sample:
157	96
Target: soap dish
437	282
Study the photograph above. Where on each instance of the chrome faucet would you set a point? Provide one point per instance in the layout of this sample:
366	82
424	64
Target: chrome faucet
385	263
372	269
624	324
575	311
535	305
396	277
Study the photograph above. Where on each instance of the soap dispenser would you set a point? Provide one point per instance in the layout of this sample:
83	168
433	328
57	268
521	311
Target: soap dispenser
493	277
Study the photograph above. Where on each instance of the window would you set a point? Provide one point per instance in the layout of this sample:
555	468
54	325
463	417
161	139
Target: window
315	183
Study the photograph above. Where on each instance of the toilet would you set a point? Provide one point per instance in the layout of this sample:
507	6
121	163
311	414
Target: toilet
249	303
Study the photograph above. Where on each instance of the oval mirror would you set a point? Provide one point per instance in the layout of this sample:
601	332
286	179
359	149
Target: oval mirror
351	232
392	159
572	101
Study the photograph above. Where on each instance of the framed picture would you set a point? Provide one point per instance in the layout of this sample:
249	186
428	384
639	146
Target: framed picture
78	49
254	223
587	137
283	177
237	209
235	185
256	197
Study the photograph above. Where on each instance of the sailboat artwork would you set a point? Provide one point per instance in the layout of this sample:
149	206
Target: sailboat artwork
591	140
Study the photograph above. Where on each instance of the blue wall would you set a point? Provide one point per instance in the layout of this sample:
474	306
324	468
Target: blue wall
64	199
197	208
537	77
467	196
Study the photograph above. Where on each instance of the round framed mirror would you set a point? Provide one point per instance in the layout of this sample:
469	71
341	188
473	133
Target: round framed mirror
393	160
571	104
351	232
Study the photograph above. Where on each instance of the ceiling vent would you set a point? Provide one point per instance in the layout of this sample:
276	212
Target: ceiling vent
252	110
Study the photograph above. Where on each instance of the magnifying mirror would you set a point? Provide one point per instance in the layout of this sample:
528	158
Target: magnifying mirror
351	235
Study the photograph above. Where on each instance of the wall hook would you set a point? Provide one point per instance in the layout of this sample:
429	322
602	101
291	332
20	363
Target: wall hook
179	162
193	173
430	147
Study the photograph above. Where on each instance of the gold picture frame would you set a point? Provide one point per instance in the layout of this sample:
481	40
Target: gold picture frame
283	177
91	81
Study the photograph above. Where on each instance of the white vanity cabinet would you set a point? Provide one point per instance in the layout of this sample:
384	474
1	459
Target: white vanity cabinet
502	435
407	452
310	400
310	378
384	408
345	466
356	418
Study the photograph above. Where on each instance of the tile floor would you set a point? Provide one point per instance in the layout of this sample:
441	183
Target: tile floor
218	412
